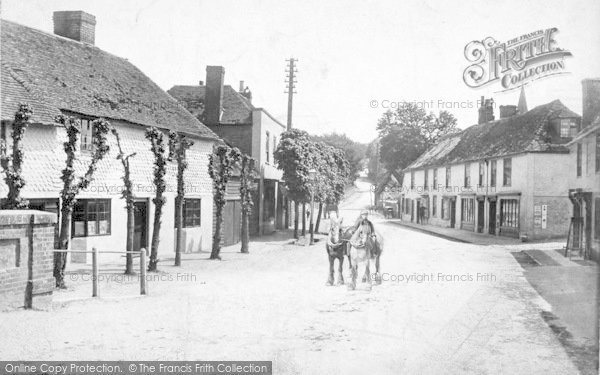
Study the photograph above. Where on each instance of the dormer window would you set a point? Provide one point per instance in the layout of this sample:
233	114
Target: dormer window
568	127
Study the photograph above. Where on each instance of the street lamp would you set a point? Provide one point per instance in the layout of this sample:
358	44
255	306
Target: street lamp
312	176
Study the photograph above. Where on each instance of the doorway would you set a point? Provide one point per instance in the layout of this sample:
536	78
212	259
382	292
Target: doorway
480	216
452	213
140	225
492	218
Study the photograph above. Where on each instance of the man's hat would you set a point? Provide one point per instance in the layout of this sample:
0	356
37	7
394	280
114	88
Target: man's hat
364	212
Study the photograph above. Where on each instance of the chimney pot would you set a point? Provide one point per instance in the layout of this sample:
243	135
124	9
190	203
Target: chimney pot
77	25
201	83
486	110
242	87
591	100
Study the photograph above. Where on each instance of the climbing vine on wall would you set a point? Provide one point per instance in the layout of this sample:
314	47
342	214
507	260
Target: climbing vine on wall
220	168
12	164
157	146
72	185
178	146
128	196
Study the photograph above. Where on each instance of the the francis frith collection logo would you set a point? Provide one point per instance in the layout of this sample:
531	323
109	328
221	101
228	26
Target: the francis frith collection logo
515	62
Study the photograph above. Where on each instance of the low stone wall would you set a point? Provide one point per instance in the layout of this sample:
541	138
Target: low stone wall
26	251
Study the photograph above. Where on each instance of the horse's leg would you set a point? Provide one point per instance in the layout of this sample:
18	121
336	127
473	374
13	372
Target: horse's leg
330	278
364	278
340	264
353	271
368	273
377	274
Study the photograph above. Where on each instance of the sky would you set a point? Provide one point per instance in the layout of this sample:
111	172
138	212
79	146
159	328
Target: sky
355	58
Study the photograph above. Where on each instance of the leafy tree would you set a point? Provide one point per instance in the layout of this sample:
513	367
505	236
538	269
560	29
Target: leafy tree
71	186
407	132
220	168
178	146
334	173
295	156
128	195
157	146
247	187
12	165
354	152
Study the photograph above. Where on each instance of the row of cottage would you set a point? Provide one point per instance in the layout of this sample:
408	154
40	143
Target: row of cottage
66	73
531	174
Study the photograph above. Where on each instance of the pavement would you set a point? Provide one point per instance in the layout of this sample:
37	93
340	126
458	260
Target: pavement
443	307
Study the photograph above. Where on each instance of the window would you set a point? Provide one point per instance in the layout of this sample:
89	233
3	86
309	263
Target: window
268	144
568	128
509	213
467	210
597	153
426	180
448	176
412	180
191	212
85	126
434	206
579	152
507	165
493	172
597	219
468	175
481	173
435	180
91	217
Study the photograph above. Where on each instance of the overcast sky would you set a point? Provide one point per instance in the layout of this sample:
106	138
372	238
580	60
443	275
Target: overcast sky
350	52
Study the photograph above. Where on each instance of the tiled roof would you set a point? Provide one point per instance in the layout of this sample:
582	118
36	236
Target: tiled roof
516	134
53	73
237	109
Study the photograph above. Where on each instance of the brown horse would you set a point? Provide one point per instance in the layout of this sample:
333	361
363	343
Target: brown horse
337	247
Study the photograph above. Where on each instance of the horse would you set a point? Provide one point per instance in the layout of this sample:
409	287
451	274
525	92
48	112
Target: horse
365	248
337	247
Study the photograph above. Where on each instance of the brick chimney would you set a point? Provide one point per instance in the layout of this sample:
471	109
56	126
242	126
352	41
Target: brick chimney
242	87
486	110
213	100
507	111
76	25
591	100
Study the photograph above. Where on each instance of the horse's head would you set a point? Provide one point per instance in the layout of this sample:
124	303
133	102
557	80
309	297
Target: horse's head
335	229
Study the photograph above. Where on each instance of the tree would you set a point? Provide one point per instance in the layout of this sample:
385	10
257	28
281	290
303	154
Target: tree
407	132
12	165
71	186
220	168
178	146
247	187
157	146
354	152
294	156
128	196
334	174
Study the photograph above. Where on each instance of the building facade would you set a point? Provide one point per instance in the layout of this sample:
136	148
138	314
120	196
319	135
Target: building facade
232	116
494	177
65	73
584	176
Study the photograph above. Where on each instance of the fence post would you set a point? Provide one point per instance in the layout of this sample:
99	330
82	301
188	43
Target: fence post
142	271
94	272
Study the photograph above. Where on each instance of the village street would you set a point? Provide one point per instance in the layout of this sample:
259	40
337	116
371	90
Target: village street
443	307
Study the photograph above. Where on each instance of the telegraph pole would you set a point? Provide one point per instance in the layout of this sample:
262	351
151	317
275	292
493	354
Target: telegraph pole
290	89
